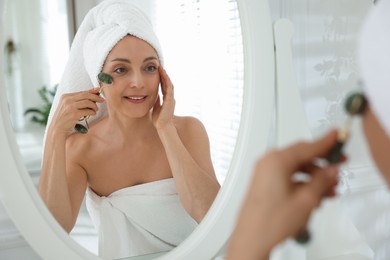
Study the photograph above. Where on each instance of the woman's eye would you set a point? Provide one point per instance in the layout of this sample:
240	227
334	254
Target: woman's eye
119	70
151	68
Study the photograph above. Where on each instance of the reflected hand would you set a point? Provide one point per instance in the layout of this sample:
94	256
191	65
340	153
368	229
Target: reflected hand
162	115
276	206
72	107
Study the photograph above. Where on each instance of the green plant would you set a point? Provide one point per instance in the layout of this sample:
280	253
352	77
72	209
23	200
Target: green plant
41	114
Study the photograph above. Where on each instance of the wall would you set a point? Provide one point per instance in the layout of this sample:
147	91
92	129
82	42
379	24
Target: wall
39	52
29	49
83	6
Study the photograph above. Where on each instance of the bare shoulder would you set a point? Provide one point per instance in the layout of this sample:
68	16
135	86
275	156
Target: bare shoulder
77	145
194	136
188	125
192	132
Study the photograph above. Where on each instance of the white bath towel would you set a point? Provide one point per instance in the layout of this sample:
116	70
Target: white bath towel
102	27
141	219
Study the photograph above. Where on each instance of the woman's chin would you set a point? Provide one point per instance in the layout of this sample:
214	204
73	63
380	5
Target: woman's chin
137	113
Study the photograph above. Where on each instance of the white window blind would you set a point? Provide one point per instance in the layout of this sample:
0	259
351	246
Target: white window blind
203	55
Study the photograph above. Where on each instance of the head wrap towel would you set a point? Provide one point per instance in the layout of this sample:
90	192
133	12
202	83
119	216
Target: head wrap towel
374	61
102	28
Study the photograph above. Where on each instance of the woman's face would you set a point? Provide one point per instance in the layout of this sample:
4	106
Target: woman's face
378	141
133	64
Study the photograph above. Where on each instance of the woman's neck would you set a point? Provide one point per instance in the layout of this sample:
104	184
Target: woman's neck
129	129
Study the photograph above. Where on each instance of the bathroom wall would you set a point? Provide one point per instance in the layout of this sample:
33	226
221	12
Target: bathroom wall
36	49
16	36
82	7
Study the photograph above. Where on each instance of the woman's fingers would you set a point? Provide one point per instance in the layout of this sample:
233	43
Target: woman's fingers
323	181
92	95
304	153
309	168
82	100
166	83
308	196
94	90
157	105
163	113
162	79
85	112
167	90
74	106
86	104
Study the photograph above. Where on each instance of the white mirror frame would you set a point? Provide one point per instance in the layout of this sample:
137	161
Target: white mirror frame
50	241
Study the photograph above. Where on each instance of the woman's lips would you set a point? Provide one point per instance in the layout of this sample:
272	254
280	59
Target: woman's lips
136	99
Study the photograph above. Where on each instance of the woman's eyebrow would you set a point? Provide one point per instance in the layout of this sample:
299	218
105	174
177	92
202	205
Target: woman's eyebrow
120	59
150	58
128	61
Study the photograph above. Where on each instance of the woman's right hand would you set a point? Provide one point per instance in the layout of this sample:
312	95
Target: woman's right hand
72	107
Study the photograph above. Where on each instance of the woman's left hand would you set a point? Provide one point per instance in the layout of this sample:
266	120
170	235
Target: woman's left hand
162	115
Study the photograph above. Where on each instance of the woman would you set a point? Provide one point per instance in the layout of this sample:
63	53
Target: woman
277	208
147	173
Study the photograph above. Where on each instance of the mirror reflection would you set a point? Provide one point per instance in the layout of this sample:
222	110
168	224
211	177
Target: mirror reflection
148	166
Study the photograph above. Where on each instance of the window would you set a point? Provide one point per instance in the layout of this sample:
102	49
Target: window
203	55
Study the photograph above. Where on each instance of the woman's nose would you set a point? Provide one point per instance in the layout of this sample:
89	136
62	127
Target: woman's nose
136	80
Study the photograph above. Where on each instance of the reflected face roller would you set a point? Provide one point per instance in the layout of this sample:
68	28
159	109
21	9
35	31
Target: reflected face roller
104	78
355	104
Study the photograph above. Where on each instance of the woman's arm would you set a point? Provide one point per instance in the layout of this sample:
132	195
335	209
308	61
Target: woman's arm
191	166
188	154
62	183
61	192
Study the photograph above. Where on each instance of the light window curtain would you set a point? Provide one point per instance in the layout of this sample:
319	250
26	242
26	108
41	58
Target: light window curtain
203	55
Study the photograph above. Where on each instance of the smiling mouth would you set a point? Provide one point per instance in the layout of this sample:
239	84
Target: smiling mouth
138	99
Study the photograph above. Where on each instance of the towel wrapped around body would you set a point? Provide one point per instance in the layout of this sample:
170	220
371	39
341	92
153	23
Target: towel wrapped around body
141	219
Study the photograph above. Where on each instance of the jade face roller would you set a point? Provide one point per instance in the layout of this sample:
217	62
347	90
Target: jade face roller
104	78
355	104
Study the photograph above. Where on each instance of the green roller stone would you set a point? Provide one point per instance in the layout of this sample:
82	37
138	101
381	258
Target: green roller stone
80	129
355	104
336	153
105	78
303	237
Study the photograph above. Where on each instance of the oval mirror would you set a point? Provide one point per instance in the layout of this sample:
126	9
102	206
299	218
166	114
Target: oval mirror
19	193
214	93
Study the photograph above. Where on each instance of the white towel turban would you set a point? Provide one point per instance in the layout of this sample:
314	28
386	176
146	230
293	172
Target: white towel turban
102	28
374	61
